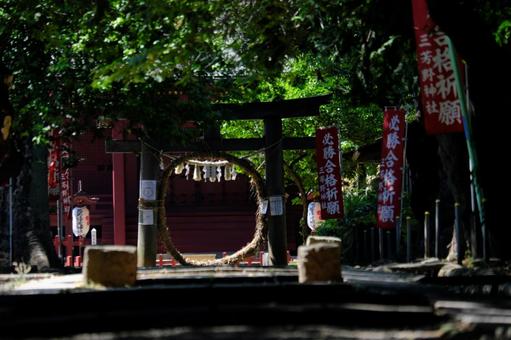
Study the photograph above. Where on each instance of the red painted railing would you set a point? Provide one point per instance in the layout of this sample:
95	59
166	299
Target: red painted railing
69	246
71	260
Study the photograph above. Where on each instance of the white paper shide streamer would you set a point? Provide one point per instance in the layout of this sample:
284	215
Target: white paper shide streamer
211	171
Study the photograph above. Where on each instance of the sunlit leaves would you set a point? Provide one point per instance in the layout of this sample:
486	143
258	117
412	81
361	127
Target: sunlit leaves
503	34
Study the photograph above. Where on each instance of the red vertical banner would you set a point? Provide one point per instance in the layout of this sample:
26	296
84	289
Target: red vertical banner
328	160
54	168
440	101
65	181
58	175
389	189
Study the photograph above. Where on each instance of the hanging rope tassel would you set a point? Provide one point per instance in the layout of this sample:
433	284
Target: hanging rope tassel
233	173
196	173
179	169
187	170
227	172
209	173
219	173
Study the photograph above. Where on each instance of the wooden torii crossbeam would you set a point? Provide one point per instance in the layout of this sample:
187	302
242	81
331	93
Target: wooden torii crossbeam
273	144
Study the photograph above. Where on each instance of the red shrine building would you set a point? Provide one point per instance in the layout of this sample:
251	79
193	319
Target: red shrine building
201	216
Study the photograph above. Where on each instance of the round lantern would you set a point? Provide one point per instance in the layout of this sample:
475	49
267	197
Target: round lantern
314	215
81	221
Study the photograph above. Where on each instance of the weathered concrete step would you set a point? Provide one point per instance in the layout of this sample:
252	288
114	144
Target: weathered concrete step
477	312
286	332
208	299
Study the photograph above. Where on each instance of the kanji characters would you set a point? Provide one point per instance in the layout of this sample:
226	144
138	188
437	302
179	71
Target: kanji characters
329	152
332	207
329	174
389	187
441	60
328	139
431	107
389	178
450	112
330	180
446	85
390	159
436	75
386	213
392	140
394	123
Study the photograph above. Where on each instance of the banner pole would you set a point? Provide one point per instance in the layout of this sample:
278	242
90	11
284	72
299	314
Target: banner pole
473	223
11	221
403	189
472	154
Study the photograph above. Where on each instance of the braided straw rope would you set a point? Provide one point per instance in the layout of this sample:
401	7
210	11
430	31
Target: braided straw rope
261	225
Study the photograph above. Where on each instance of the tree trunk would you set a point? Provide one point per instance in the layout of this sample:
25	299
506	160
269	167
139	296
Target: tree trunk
4	229
439	170
32	238
32	233
452	152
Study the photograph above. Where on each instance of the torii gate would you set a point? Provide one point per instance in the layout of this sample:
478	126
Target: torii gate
273	143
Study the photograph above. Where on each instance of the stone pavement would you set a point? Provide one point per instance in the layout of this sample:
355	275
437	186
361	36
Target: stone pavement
256	303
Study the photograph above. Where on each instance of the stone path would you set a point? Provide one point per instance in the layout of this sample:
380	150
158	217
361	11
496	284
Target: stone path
262	303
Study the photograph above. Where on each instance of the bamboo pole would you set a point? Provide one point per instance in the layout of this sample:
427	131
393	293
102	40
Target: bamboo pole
472	154
403	190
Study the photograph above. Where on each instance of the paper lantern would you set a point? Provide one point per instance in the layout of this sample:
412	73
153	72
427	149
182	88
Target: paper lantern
80	221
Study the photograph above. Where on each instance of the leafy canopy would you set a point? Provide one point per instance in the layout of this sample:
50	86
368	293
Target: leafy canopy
162	62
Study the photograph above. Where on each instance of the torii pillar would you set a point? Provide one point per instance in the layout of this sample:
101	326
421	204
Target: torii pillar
277	237
118	186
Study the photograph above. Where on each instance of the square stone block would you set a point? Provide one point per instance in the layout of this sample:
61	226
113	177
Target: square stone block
319	262
110	266
323	239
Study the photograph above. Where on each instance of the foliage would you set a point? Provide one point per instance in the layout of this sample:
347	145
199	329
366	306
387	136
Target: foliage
359	212
330	228
503	34
46	83
496	15
81	59
74	60
306	76
21	268
361	52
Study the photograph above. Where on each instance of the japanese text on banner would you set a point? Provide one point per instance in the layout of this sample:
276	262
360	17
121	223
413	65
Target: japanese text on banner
389	188
440	102
329	173
59	177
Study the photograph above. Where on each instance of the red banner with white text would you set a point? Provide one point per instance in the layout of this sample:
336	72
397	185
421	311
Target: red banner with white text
328	160
389	188
440	102
59	179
